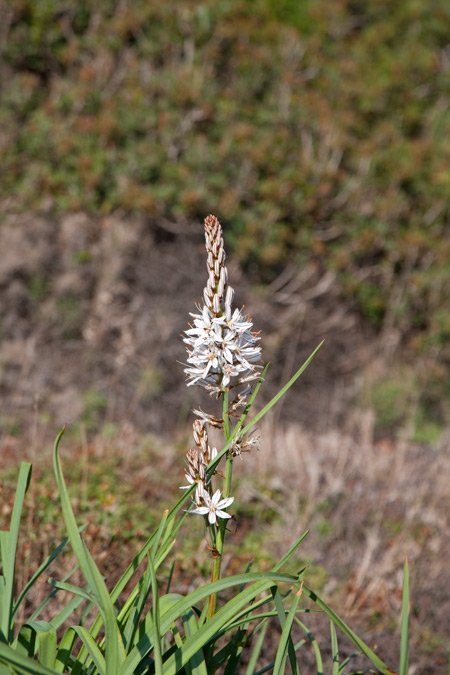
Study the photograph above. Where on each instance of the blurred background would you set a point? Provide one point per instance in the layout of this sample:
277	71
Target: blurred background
318	132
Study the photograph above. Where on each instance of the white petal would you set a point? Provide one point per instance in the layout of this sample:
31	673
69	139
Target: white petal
225	503
201	510
222	514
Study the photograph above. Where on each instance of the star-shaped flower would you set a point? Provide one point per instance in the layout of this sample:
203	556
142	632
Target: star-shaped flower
213	506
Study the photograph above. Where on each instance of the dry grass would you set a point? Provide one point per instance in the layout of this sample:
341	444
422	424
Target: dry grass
369	506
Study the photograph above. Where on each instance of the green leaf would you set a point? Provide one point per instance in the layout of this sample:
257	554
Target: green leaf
404	641
281	393
62	616
47	641
70	588
157	655
262	627
65	648
92	648
377	662
317	654
290	553
334	650
114	648
38	573
23	664
197	663
252	398
8	550
285	645
130	620
260	582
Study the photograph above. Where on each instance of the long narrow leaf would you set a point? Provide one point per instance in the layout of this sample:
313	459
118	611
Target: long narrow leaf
192	644
157	655
114	649
139	558
25	641
290	553
260	582
92	648
252	398
237	645
70	607
197	664
64	653
404	642
257	648
317	654
131	626
334	650
285	645
8	550
239	640
70	588
241	432
23	664
281	393
40	571
46	641
377	662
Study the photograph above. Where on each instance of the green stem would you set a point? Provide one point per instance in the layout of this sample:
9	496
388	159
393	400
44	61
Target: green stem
225	415
220	537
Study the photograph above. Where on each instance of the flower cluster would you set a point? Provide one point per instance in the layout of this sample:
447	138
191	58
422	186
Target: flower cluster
198	459
222	354
222	349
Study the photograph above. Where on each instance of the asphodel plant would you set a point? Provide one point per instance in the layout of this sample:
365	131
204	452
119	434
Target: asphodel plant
224	358
134	628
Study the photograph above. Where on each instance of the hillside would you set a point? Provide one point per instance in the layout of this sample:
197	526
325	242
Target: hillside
318	133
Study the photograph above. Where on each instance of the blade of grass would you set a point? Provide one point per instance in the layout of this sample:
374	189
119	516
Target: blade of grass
257	648
197	664
404	641
377	662
83	593
237	432
92	648
40	571
252	398
334	650
312	639
65	648
23	664
131	625
66	611
114	648
281	393
346	661
239	639
259	583
290	553
285	645
45	636
157	654
8	550
192	644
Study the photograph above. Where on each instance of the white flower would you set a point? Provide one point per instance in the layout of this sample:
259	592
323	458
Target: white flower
199	490
213	506
222	347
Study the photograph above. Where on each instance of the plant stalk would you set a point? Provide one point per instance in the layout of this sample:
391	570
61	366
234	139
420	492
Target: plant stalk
220	536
